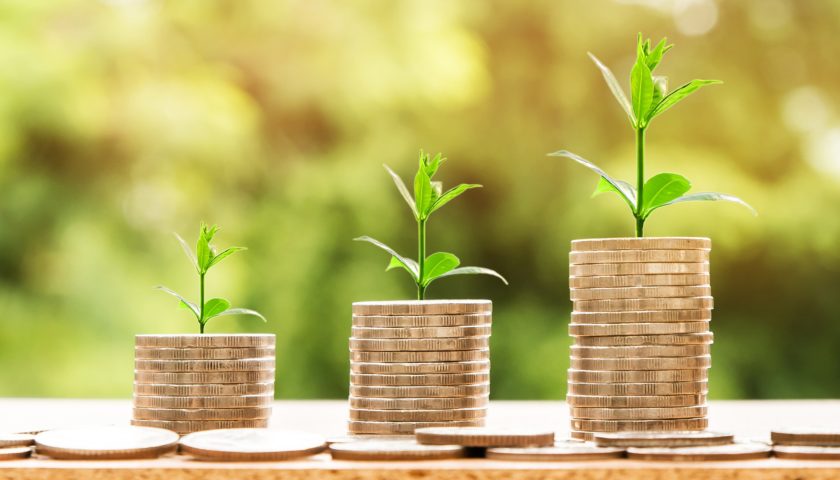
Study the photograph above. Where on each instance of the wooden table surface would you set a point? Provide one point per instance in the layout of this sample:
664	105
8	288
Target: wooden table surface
748	419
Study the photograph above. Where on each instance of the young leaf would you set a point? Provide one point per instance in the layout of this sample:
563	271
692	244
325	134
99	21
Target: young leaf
188	251
214	307
423	195
242	311
677	95
710	197
397	263
431	165
403	191
438	264
615	88
451	194
661	189
409	264
655	56
474	271
641	87
604	186
224	254
193	307
203	251
622	188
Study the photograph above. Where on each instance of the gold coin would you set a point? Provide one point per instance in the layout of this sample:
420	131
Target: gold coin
613	329
9	440
230	401
160	353
419	344
660	363
417	321
242	365
643	304
638	376
651	280
14	453
394	450
601	269
420	391
797	452
683	291
422	332
179	414
106	443
641	351
635	401
425	367
352	438
814	437
635	389
421	357
655	316
560	451
188	426
206	340
257	376
417	415
486	437
640	340
669	413
251	445
402	428
640	425
638	256
423	379
419	403
581	436
664	439
422	307
731	452
645	243
205	390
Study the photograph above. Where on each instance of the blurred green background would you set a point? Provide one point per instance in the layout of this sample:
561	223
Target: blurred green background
122	121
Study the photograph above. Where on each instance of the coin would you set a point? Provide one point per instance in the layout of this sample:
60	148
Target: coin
244	413
638	340
639	243
204	377
419	403
615	329
664	439
734	451
815	437
682	291
419	344
486	437
669	413
560	451
241	365
188	426
637	376
601	269
424	379
416	321
14	453
159	353
352	438
641	351
638	256
416	391
204	390
251	445
646	304
423	367
422	332
645	280
394	450
8	440
404	427
627	389
635	401
640	425
417	415
805	452
659	363
581	436
206	340
651	316
229	401
420	357
422	307
106	443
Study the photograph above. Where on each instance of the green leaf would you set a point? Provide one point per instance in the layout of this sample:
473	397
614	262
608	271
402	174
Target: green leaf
403	191
622	188
661	189
641	87
438	264
677	95
423	192
474	271
187	250
214	307
397	263
224	254
615	88
431	165
451	194
243	311
193	307
709	197
203	251
655	56
409	264
605	186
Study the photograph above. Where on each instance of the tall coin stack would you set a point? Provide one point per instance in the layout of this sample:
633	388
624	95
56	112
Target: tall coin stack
417	364
641	350
188	383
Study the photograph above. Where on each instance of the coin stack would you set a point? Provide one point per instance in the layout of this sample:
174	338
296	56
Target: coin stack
641	350
188	383
419	364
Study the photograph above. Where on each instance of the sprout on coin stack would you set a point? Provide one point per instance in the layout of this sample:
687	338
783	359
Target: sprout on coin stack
642	306
420	363
189	383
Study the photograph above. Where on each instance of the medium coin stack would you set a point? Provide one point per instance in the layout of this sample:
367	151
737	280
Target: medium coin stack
415	364
641	350
189	383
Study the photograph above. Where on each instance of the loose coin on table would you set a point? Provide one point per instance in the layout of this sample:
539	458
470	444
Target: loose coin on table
14	453
106	443
8	440
251	444
486	437
394	450
806	452
664	439
734	451
818	437
560	451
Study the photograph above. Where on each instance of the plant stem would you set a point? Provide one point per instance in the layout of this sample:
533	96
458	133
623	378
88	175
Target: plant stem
640	180
201	305
421	257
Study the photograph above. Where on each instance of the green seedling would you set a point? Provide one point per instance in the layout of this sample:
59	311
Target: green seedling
203	258
428	198
649	99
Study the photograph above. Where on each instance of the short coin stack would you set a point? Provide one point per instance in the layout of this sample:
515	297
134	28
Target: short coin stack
188	383
641	351
419	364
